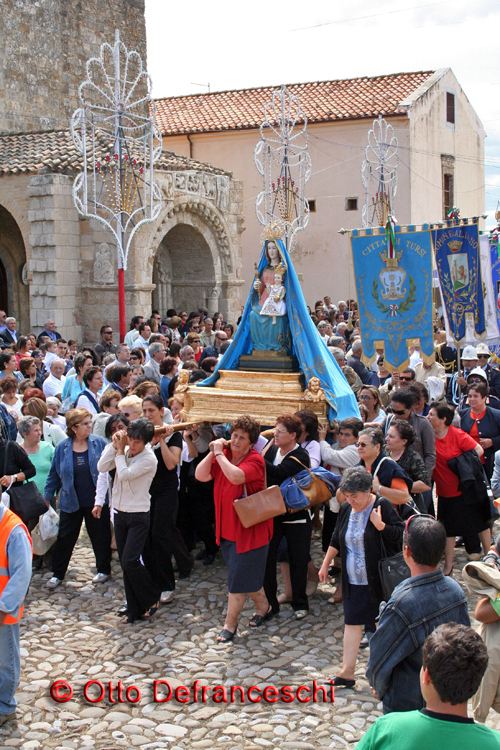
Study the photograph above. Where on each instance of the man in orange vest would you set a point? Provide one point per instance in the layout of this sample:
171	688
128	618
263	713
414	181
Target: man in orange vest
15	575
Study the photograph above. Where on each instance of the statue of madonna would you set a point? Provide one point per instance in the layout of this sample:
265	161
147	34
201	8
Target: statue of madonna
269	326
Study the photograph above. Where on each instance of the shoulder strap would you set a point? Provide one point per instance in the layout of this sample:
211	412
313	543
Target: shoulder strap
303	465
384	458
90	397
265	480
6	457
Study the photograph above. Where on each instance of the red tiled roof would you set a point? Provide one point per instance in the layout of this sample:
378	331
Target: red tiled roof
54	151
321	101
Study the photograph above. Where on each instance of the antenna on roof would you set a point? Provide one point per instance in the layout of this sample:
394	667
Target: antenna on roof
205	85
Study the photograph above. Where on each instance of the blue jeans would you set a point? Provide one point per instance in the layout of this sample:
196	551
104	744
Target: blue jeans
10	667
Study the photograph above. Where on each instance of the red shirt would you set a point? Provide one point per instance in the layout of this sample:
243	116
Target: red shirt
198	355
452	445
474	432
227	523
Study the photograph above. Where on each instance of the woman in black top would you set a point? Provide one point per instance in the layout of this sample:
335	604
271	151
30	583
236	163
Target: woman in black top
284	458
18	466
157	553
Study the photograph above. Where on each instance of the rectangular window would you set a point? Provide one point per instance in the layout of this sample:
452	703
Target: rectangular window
447	194
312	206
351	204
450	108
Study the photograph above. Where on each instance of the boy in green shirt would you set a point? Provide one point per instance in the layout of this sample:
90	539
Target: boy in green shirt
454	661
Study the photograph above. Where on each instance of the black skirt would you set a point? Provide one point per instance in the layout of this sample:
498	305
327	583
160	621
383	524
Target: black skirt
245	570
460	519
359	609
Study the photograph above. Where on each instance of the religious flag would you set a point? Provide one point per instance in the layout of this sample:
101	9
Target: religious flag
495	277
459	272
491	297
394	289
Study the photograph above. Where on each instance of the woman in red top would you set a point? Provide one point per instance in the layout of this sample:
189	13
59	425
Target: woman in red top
233	465
193	340
457	517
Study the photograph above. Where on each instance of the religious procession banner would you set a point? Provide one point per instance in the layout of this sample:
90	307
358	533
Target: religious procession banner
491	293
494	251
393	272
459	272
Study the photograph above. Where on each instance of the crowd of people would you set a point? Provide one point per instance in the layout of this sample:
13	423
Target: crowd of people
96	428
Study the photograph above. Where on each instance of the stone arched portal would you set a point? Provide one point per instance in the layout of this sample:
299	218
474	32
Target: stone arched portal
15	295
184	271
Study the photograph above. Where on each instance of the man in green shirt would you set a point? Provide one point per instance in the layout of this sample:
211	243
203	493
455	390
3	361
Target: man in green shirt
454	659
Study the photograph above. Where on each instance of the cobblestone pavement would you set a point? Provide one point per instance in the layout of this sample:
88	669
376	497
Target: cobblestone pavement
73	634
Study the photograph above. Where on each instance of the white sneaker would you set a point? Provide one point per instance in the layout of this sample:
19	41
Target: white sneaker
53	583
474	556
166	597
100	578
301	613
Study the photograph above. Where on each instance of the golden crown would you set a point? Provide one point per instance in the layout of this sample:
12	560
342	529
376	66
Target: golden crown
273	231
281	268
455	245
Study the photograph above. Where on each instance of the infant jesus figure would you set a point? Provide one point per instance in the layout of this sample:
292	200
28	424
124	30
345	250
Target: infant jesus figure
275	303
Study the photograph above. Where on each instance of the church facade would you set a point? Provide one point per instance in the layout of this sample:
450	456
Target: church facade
53	262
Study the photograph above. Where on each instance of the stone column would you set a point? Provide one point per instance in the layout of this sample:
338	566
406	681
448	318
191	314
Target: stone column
55	257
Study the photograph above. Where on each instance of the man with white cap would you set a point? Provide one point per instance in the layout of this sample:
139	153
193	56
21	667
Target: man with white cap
492	374
459	380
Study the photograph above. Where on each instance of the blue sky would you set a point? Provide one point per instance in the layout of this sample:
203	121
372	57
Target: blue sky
231	45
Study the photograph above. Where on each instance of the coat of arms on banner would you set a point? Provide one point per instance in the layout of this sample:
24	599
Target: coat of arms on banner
459	266
393	278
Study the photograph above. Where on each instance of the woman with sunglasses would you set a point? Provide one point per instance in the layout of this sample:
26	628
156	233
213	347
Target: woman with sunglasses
364	521
457	517
389	479
370	397
402	402
399	440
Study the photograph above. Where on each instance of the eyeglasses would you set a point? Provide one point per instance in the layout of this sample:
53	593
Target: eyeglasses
365	398
359	444
475	381
195	341
106	332
195	328
280	432
483	356
407	524
406	380
399	413
134	358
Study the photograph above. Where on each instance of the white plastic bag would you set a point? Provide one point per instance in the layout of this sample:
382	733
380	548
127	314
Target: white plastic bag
6	499
49	524
40	546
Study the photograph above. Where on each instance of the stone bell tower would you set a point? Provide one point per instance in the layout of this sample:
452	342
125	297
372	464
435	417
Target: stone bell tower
44	46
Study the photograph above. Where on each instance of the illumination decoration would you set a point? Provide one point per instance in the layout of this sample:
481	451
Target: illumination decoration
281	157
115	132
379	175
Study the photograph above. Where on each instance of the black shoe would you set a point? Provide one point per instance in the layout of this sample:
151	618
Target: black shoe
201	554
459	541
208	559
364	641
186	574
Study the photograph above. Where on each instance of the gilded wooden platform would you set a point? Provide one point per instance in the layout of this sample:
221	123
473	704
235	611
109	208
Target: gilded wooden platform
262	395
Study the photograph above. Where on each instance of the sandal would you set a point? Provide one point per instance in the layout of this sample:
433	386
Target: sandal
225	635
258	620
151	611
341	682
127	620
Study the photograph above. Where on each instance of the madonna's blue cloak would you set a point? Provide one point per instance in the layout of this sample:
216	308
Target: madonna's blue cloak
311	351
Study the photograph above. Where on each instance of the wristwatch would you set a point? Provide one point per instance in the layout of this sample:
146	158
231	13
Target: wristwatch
14	478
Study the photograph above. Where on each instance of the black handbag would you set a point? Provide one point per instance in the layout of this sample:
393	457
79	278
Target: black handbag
392	570
26	501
